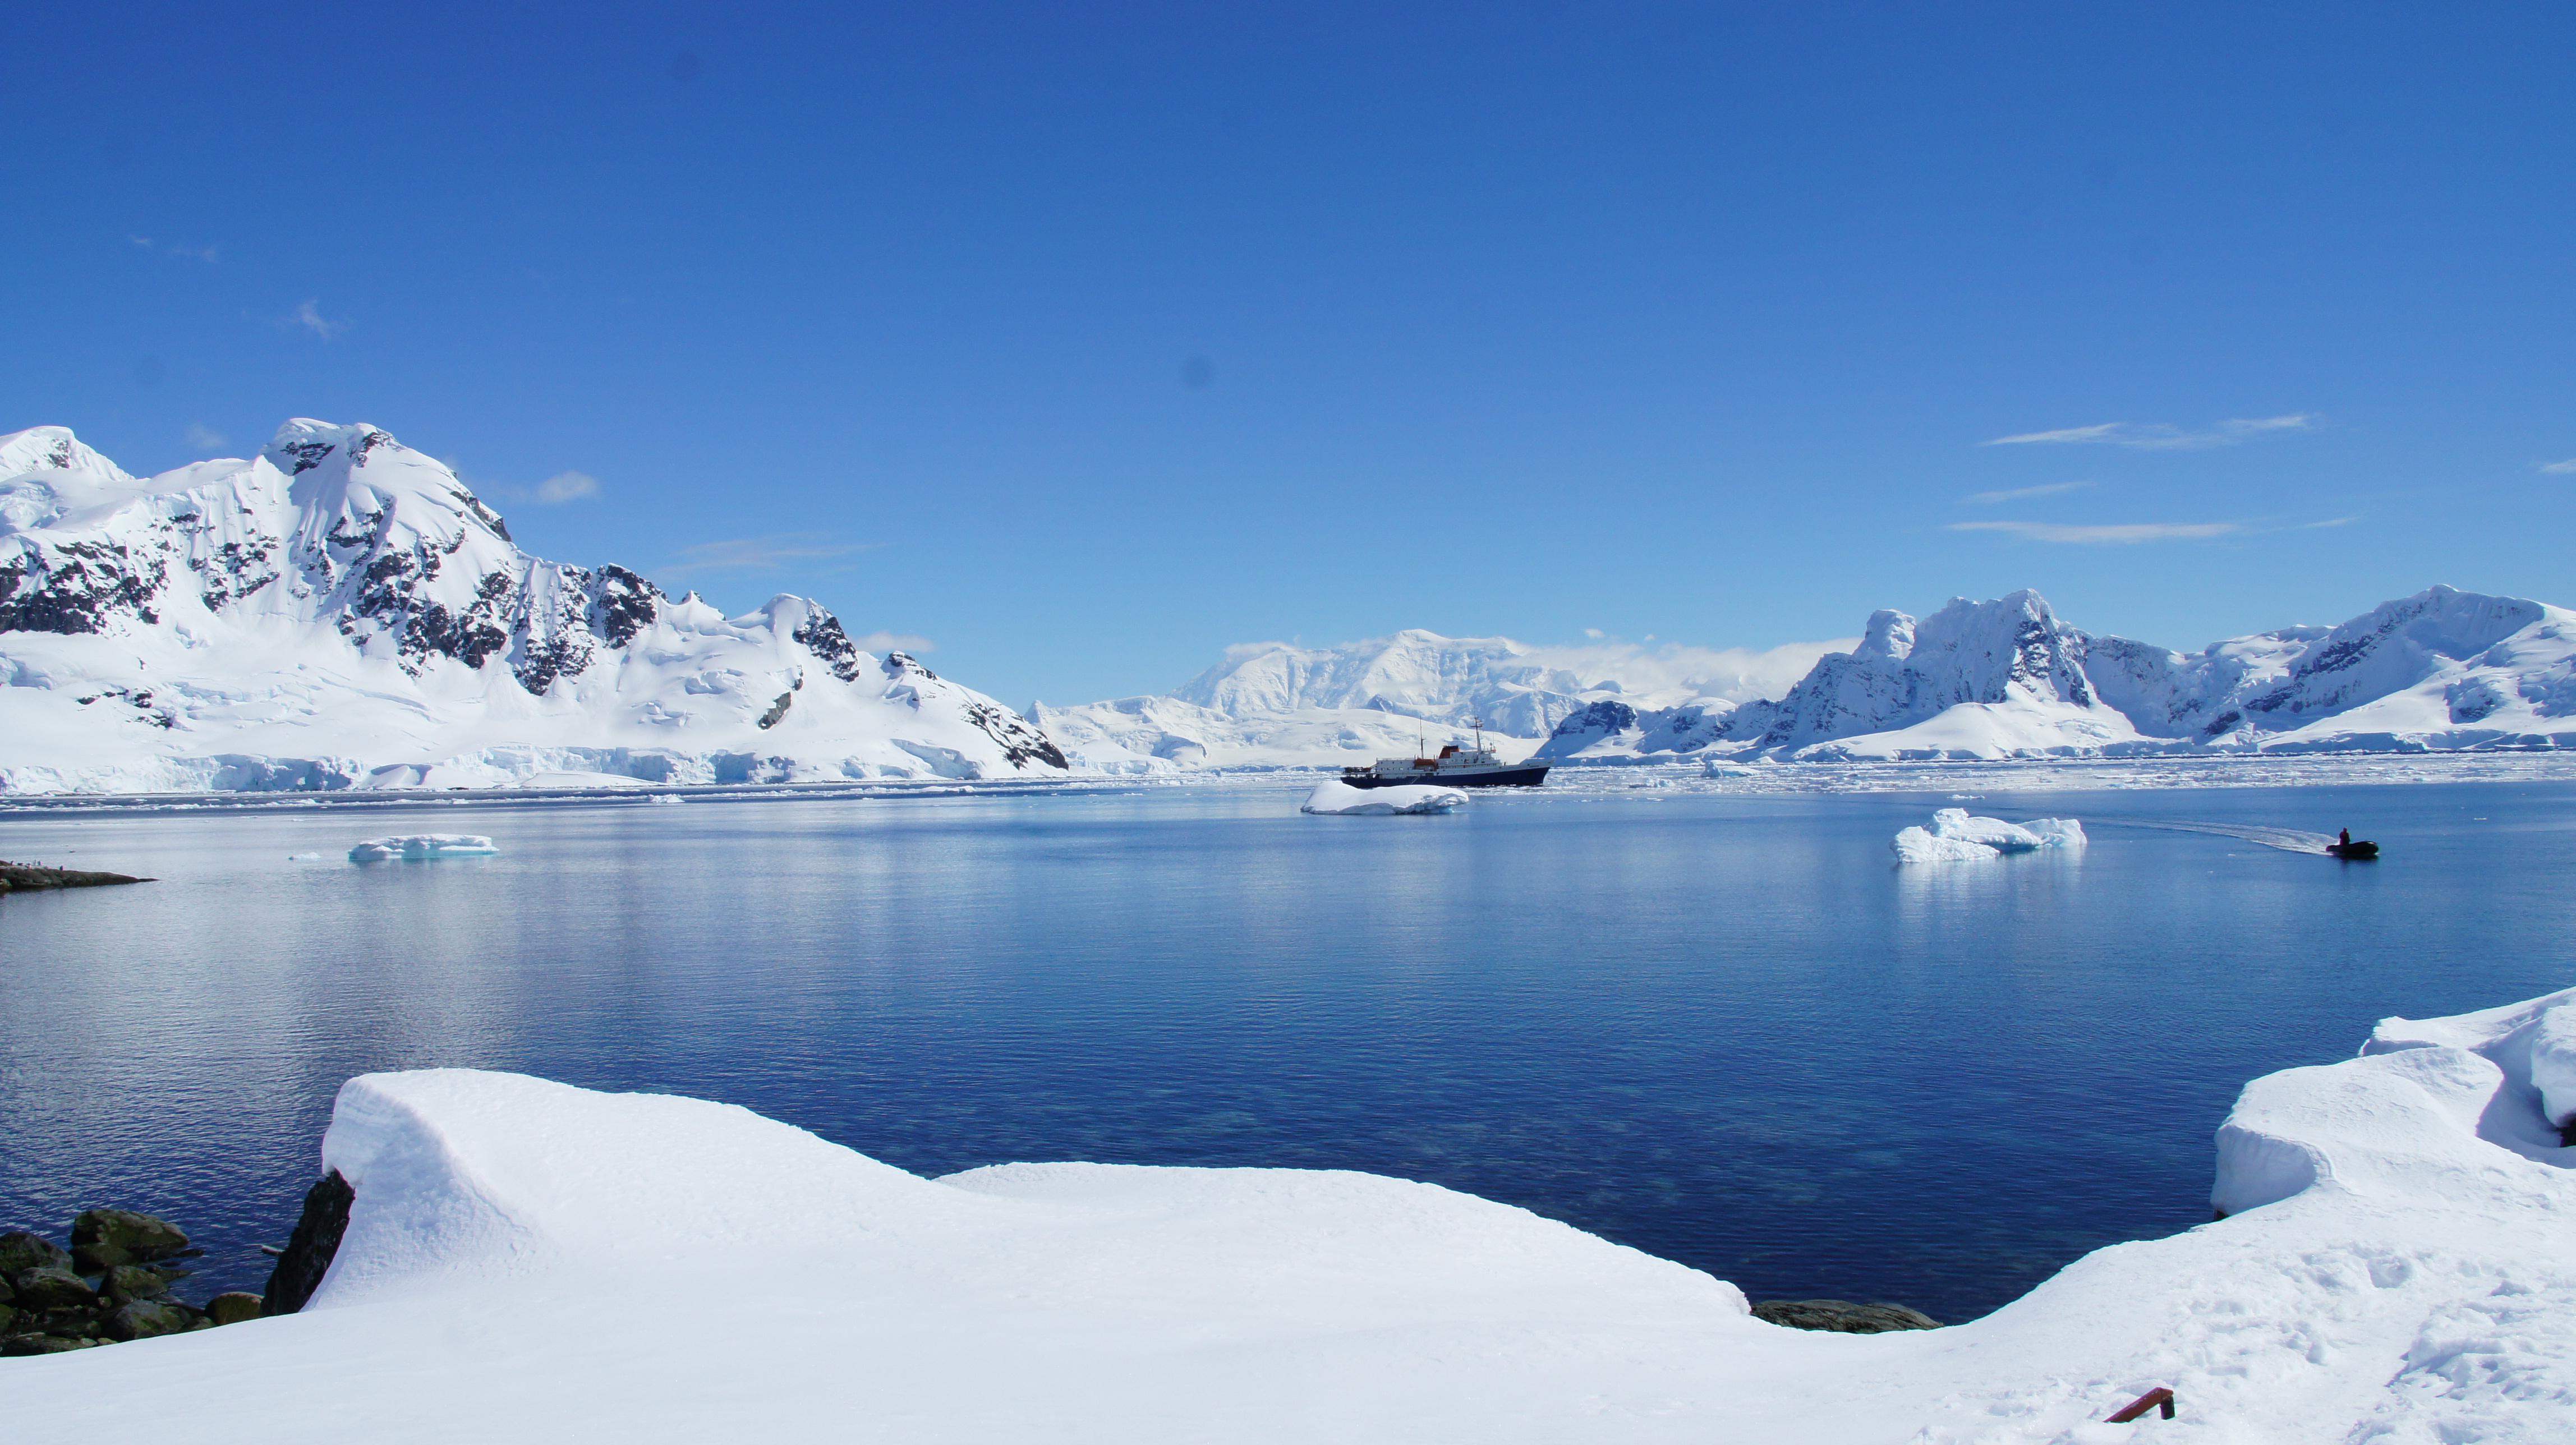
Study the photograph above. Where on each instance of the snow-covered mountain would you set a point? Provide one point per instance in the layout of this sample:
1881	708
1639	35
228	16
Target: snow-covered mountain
341	611
1416	673
1279	705
2441	669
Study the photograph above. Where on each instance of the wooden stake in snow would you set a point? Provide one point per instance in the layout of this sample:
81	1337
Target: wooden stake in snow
2159	1398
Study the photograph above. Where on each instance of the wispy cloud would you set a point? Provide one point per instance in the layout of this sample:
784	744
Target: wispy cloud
760	554
2328	522
206	440
2158	436
2116	534
1988	499
2560	469
896	642
174	248
309	316
565	487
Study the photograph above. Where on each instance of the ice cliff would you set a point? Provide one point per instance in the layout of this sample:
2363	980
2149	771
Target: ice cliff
341	610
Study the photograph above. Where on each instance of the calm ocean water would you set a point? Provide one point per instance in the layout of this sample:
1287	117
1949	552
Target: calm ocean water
1724	1029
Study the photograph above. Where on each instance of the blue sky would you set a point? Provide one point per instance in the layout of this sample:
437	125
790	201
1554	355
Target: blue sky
1084	341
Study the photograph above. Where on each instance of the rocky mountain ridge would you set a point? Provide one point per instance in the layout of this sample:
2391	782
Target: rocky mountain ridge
341	610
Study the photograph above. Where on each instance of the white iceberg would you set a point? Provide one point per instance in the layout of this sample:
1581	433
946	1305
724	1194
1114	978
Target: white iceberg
1957	837
2396	1265
422	847
1341	800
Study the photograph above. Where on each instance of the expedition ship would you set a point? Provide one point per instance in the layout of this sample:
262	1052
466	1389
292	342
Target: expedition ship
1454	766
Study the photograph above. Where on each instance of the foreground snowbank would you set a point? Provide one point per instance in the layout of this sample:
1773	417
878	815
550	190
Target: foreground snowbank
1341	800
1956	837
532	1262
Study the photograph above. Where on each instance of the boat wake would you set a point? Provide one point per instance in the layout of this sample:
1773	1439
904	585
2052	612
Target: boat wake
2288	840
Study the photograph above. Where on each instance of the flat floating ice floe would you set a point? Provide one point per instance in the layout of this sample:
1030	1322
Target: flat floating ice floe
2395	1265
1341	800
422	847
1957	837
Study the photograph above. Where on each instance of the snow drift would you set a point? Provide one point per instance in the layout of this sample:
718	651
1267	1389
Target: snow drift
341	611
532	1262
1341	800
1957	837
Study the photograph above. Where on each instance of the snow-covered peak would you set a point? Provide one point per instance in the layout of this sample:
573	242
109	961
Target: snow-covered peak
46	472
2396	643
54	449
1995	651
1414	672
1890	635
340	553
353	480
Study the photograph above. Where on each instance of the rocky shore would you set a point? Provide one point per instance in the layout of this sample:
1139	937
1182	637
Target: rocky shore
116	1282
1841	1316
32	877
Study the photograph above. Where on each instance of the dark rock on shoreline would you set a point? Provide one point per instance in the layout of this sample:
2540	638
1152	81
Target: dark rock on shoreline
1842	1316
29	877
147	1317
22	1250
102	1239
112	1284
233	1308
43	1344
48	1288
129	1282
310	1249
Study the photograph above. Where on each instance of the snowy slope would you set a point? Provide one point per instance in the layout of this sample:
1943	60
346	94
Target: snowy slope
532	1262
2008	678
341	611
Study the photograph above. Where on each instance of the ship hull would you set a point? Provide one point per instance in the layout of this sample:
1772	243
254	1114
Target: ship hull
1510	777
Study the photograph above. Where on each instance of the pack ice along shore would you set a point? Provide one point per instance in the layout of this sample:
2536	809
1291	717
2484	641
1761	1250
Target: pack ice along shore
2441	670
526	1261
340	611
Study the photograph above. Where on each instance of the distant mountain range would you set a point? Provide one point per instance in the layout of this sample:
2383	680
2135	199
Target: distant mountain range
1281	705
340	611
2443	669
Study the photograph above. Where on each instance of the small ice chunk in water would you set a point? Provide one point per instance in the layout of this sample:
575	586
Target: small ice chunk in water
1341	800
1915	845
1957	837
422	847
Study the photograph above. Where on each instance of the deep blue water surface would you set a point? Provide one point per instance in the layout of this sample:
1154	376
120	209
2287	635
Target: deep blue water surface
1724	1029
